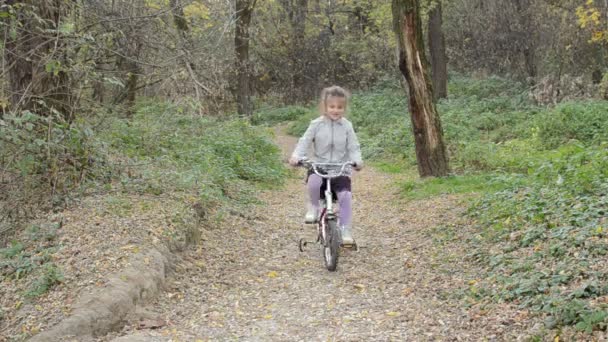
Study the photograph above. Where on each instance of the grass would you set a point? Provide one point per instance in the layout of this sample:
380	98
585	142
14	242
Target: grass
464	184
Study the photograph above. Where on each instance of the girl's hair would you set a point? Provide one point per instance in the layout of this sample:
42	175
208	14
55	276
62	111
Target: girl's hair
335	91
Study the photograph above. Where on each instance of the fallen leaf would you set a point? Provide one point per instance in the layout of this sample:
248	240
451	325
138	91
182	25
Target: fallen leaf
272	274
151	324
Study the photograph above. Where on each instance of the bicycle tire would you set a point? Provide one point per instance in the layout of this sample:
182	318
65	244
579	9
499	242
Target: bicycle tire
331	246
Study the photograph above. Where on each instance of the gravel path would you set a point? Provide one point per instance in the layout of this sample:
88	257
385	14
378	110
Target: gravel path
248	282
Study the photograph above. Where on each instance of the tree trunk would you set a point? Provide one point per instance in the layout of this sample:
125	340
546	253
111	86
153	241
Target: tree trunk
430	148
244	9
439	59
184	45
133	72
298	48
528	49
177	10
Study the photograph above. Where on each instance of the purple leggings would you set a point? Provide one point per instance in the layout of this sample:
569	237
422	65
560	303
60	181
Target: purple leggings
343	191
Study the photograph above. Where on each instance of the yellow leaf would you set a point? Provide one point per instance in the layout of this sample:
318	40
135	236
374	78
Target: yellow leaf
599	230
556	339
268	317
272	274
18	304
392	313
472	282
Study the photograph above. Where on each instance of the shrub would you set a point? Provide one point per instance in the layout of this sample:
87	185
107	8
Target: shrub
44	158
278	115
554	223
585	121
174	151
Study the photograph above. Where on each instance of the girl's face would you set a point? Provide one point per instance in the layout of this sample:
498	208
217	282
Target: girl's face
335	107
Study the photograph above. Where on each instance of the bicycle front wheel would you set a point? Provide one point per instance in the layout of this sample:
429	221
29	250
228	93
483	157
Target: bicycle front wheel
331	245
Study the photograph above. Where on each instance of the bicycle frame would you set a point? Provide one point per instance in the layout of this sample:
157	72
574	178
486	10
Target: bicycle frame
328	212
327	223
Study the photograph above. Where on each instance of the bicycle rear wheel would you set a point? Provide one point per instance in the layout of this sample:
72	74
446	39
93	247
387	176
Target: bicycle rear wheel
331	245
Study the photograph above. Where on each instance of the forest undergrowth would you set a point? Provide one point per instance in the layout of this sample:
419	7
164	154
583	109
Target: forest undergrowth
536	179
538	185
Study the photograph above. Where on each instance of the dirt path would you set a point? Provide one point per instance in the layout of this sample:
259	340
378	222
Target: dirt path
249	282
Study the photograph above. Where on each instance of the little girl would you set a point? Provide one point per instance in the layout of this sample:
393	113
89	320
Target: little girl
334	141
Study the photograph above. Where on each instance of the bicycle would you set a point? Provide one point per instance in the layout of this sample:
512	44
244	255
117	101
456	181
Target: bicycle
328	233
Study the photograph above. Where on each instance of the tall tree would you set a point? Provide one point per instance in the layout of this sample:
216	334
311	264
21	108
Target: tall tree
244	10
299	46
526	28
296	12
430	148
439	59
184	45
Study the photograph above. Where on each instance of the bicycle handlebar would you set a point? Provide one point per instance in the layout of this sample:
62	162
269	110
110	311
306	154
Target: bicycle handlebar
318	167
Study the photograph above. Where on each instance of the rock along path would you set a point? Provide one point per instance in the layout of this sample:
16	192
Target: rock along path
247	281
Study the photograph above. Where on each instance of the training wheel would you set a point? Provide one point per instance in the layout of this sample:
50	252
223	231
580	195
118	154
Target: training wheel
301	245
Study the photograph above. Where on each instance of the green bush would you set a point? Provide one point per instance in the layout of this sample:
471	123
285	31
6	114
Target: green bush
585	121
50	277
554	223
175	151
278	115
44	158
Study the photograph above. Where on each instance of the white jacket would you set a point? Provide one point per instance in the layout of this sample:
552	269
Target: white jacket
332	142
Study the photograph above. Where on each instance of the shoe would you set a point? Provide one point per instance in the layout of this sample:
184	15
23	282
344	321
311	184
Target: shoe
347	235
312	215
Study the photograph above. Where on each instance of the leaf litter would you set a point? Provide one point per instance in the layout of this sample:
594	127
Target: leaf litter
248	281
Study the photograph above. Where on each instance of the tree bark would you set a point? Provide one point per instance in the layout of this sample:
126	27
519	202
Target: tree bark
244	9
298	48
528	50
439	59
430	149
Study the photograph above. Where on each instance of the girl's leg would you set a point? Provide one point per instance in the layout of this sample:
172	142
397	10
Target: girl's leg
314	191
345	199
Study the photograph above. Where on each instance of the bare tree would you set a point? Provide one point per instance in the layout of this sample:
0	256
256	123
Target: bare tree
244	10
430	148
526	28
439	59
36	57
297	11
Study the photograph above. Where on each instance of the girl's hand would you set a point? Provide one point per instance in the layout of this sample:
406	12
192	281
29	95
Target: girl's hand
293	161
